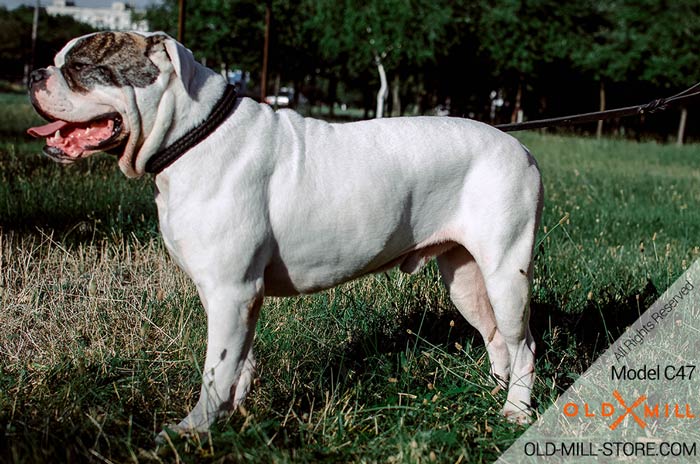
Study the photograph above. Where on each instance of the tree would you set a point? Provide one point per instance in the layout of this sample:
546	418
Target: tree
293	52
520	37
642	40
612	48
219	32
673	62
380	33
16	43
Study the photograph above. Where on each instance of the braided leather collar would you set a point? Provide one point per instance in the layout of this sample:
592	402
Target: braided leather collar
168	155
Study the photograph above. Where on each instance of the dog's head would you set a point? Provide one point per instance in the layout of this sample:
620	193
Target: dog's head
125	93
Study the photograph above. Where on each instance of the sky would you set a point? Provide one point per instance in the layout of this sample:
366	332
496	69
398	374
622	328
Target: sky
10	4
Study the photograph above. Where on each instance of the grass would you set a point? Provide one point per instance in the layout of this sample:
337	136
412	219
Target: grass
103	336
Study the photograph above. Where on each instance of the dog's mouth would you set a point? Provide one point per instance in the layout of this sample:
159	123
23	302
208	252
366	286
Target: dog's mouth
68	141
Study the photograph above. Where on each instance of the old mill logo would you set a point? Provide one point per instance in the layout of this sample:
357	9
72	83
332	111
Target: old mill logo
619	411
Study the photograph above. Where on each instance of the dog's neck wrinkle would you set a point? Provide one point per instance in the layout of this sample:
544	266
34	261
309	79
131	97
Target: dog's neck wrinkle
191	110
218	114
191	104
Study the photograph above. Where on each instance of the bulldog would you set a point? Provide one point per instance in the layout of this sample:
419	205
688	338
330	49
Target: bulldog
254	202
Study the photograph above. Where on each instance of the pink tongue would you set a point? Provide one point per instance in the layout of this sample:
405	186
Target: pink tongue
47	129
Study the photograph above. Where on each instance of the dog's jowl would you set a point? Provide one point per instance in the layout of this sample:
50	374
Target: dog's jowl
253	202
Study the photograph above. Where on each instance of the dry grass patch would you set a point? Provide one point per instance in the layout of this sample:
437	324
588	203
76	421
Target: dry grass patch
87	301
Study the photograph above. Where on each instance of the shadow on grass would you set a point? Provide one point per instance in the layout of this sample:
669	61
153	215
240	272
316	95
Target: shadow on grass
596	327
579	337
75	204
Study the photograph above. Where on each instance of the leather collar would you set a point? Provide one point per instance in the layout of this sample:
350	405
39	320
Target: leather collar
168	155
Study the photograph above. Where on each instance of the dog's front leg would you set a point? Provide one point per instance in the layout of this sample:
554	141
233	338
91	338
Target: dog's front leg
231	319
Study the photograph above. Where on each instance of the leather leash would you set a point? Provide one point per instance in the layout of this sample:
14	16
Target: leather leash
660	104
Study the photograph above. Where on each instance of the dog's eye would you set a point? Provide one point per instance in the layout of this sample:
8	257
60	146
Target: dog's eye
78	66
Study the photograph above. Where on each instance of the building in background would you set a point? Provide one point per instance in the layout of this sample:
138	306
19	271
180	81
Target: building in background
116	18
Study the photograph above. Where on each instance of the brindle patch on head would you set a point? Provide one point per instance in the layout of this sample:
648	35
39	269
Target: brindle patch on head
116	59
153	40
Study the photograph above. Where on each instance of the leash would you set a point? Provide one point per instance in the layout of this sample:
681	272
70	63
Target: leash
168	155
654	106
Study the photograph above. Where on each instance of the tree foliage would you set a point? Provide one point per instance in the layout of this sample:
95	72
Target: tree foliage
220	32
16	39
644	40
433	51
398	31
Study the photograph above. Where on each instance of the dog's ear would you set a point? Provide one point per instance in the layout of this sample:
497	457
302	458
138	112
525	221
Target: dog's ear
181	58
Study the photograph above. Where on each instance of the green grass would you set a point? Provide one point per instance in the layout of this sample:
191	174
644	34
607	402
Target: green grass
103	337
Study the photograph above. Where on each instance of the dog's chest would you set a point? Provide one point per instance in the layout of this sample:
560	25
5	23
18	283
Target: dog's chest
166	231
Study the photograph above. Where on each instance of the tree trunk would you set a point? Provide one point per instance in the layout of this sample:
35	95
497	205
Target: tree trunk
366	100
297	90
332	94
599	129
277	90
418	102
681	126
28	68
181	16
312	94
266	50
395	96
516	116
383	88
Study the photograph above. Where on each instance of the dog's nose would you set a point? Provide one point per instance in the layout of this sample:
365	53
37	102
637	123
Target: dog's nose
37	76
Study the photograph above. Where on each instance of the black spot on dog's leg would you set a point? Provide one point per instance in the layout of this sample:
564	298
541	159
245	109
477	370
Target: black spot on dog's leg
223	354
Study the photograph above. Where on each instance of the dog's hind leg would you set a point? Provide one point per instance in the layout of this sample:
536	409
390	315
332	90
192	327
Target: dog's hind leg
468	293
507	274
499	220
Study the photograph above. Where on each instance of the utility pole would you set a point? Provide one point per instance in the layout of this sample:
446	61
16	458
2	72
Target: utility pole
28	68
263	78
181	21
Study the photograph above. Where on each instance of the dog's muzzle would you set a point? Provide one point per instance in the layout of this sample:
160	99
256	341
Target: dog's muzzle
36	77
69	140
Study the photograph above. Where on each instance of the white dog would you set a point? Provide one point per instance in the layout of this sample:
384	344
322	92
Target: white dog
253	202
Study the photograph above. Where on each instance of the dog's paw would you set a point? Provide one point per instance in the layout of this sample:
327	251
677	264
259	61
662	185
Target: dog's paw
168	435
173	433
501	379
520	416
